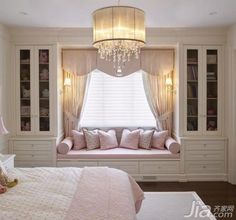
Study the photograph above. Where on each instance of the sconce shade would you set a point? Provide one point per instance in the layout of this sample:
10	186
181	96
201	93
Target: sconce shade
3	129
169	81
67	82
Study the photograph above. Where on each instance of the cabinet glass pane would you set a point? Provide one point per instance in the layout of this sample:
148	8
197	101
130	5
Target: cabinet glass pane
25	103
212	84
44	122
192	90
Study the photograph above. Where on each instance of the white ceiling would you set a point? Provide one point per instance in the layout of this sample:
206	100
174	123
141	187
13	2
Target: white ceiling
77	13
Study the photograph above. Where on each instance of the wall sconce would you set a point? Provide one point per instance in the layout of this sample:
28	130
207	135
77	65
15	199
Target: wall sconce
169	85
67	81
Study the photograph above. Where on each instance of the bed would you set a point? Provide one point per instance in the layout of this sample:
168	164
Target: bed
99	193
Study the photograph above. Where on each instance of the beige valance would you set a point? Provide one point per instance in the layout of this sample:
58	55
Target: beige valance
152	61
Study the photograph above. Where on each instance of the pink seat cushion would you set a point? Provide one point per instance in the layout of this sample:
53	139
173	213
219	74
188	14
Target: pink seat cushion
107	139
130	139
119	153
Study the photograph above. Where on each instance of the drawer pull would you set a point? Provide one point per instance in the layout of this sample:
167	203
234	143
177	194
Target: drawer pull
204	167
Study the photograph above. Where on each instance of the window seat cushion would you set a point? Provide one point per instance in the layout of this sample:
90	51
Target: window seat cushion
118	153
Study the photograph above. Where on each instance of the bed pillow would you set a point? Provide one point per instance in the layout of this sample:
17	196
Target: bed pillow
158	139
130	139
79	141
145	139
65	146
91	139
107	139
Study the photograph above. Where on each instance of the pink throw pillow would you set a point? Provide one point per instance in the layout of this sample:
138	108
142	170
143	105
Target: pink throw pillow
145	139
130	139
158	139
79	141
107	139
92	139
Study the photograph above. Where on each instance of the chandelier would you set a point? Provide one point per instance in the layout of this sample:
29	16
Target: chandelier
118	34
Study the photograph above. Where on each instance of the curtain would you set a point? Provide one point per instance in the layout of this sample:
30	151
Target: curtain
159	67
77	64
74	97
83	61
157	63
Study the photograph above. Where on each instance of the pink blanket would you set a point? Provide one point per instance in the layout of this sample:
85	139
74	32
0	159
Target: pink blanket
105	194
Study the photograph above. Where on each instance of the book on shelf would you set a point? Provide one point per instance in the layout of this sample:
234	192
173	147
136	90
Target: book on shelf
192	91
211	59
192	72
211	75
192	110
192	60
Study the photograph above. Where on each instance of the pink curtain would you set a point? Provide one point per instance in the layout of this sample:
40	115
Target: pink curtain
158	66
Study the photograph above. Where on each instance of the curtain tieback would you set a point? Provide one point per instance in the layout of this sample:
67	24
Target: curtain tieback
164	116
70	116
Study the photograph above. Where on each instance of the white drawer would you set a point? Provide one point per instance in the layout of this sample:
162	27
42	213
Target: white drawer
33	155
33	164
205	167
204	145
129	167
204	155
32	145
76	163
156	167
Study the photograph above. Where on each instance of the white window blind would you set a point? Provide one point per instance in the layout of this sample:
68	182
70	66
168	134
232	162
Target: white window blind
116	101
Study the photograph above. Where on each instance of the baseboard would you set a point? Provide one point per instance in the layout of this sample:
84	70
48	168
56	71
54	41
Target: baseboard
232	179
207	177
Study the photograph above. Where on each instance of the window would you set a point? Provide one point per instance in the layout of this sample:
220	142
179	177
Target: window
116	101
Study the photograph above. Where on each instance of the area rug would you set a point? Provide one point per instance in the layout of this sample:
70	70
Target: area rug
173	206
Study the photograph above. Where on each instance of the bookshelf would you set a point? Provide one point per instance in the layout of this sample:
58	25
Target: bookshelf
192	90
34	85
202	111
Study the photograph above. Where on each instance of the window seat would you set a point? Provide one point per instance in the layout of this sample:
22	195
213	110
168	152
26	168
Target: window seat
118	153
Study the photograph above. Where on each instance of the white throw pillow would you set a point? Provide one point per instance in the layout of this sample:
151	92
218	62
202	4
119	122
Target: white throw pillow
145	139
130	139
107	139
79	140
158	139
92	139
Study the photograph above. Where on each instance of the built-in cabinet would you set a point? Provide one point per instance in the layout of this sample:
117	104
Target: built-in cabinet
34	142
203	90
33	72
204	147
205	159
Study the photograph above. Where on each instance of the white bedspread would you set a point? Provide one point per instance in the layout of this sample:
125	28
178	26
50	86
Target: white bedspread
42	194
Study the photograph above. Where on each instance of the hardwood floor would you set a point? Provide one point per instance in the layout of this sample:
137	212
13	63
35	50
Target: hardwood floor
212	193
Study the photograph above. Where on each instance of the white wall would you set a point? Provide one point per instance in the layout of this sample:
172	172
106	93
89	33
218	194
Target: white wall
231	102
4	73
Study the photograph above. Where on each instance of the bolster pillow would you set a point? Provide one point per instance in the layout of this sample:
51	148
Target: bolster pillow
65	146
172	145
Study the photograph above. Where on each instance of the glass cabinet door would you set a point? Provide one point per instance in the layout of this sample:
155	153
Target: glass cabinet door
44	89
211	89
25	90
192	89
